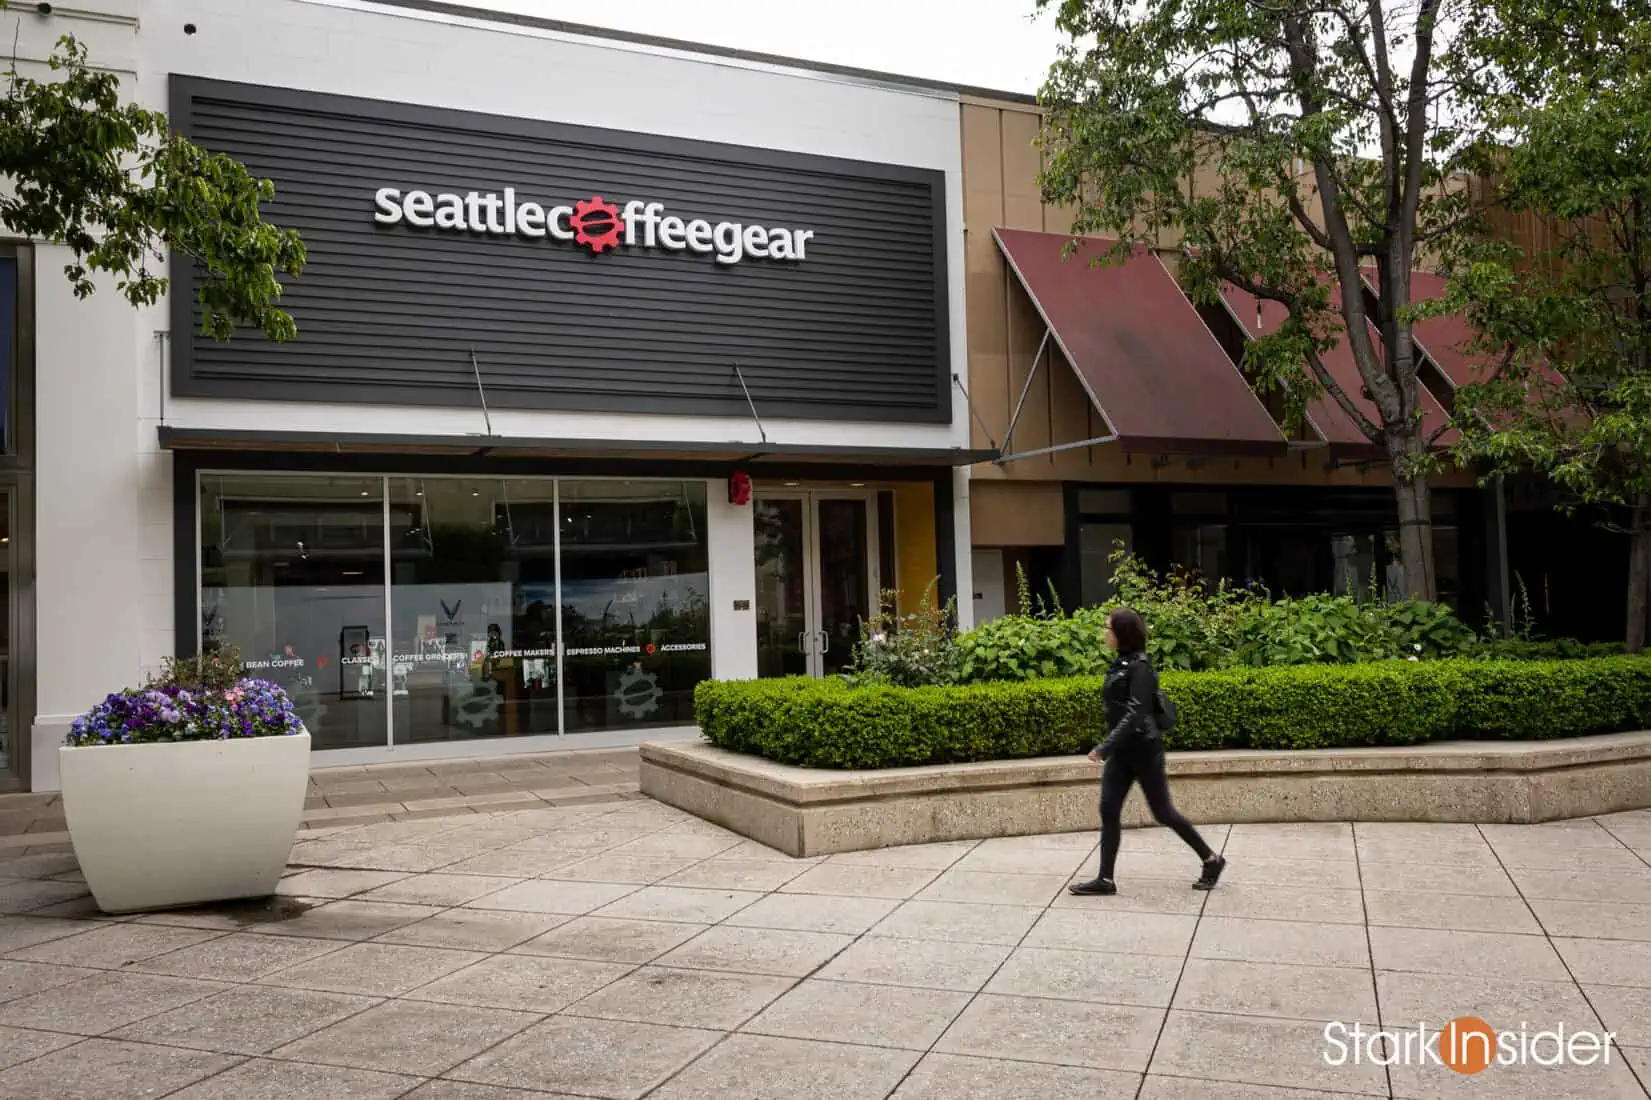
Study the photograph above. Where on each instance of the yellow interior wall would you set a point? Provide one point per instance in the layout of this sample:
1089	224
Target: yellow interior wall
915	565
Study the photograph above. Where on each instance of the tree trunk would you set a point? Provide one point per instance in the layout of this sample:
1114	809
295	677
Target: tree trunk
1639	574
1415	513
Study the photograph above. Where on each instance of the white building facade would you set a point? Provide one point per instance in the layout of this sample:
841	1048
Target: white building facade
621	365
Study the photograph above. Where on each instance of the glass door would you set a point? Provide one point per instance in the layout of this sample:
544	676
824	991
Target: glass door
816	557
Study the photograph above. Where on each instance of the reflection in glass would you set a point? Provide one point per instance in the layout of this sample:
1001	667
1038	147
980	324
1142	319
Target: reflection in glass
292	573
781	576
1096	544
845	585
635	611
473	597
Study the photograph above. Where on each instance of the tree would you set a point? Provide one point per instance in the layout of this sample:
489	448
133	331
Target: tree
107	180
1317	122
1565	328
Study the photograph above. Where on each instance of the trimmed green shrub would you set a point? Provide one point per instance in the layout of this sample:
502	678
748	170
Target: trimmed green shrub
829	724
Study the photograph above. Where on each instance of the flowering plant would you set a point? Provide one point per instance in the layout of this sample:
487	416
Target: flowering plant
172	712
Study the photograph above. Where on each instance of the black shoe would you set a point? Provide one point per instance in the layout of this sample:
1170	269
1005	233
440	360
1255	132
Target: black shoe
1099	886
1212	873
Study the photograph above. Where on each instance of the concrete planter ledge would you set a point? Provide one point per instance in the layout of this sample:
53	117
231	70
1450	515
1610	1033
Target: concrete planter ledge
810	812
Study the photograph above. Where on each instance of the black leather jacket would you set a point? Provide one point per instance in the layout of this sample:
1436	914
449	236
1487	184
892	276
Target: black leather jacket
1131	695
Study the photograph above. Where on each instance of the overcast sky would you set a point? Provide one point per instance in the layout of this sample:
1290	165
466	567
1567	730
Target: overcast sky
992	44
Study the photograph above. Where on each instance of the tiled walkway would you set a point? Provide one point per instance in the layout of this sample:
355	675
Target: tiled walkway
394	792
626	950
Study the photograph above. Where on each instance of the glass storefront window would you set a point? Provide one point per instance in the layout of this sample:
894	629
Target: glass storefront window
292	573
636	614
1097	542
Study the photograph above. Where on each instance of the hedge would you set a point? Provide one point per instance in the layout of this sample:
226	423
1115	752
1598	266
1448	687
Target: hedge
829	724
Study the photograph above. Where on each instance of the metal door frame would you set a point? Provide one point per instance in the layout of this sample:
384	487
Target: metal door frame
813	639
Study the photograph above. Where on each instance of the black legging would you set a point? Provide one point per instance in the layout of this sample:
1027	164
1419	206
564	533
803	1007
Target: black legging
1143	765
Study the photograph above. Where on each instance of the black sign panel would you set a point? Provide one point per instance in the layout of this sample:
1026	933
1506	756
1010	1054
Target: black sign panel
585	269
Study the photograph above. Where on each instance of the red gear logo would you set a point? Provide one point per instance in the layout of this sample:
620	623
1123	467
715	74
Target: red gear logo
595	224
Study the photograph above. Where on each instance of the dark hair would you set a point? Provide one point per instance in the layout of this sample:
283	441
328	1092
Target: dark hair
1130	630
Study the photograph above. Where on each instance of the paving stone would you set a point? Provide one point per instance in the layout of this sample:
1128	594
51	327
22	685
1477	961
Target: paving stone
679	845
1259	1050
1631	885
439	889
757	1067
752	850
1489	880
931	857
347	920
524	983
617	868
1607	962
978	887
950	1076
1531	1082
1125	934
1323	993
1571	857
466	1090
1069	1033
1140	895
25	895
1576	833
40	865
737	874
863	881
863	1015
475	929
551	896
1160	1086
101	1069
1623	1010
1594	919
1429	951
239	957
925	964
413	858
952	923
248	1019
680	903
606	1058
104	1002
374	969
511	864
263	1079
1450	912
1305	840
1145	980
18	1045
1298	903
328	882
1278	941
413	1037
1026	861
113	946
607	939
1410	999
810	913
21	979
684	998
758	951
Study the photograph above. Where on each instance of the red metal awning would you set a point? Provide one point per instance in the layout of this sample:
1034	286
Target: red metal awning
1151	367
1324	413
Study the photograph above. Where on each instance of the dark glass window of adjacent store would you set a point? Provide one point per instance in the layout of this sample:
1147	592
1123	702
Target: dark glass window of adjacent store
416	610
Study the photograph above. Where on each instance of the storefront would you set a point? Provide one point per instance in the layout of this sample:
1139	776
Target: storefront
619	367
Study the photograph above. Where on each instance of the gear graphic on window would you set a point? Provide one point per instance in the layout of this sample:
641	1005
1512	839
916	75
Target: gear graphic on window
595	223
638	693
478	710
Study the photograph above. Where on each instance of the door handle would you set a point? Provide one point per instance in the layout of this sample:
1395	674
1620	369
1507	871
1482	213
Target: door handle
825	641
802	641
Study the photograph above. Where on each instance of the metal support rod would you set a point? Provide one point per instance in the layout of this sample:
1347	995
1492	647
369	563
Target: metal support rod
739	374
481	391
957	381
1026	389
1097	441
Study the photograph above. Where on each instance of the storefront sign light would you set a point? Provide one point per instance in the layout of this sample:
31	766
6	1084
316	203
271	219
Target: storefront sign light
594	223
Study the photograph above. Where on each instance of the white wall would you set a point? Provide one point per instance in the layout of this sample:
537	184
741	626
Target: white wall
106	586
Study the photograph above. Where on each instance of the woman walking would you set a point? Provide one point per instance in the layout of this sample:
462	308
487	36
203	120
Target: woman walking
1133	752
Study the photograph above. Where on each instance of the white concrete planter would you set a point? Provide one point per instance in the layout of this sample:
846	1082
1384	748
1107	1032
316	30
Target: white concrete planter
163	826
